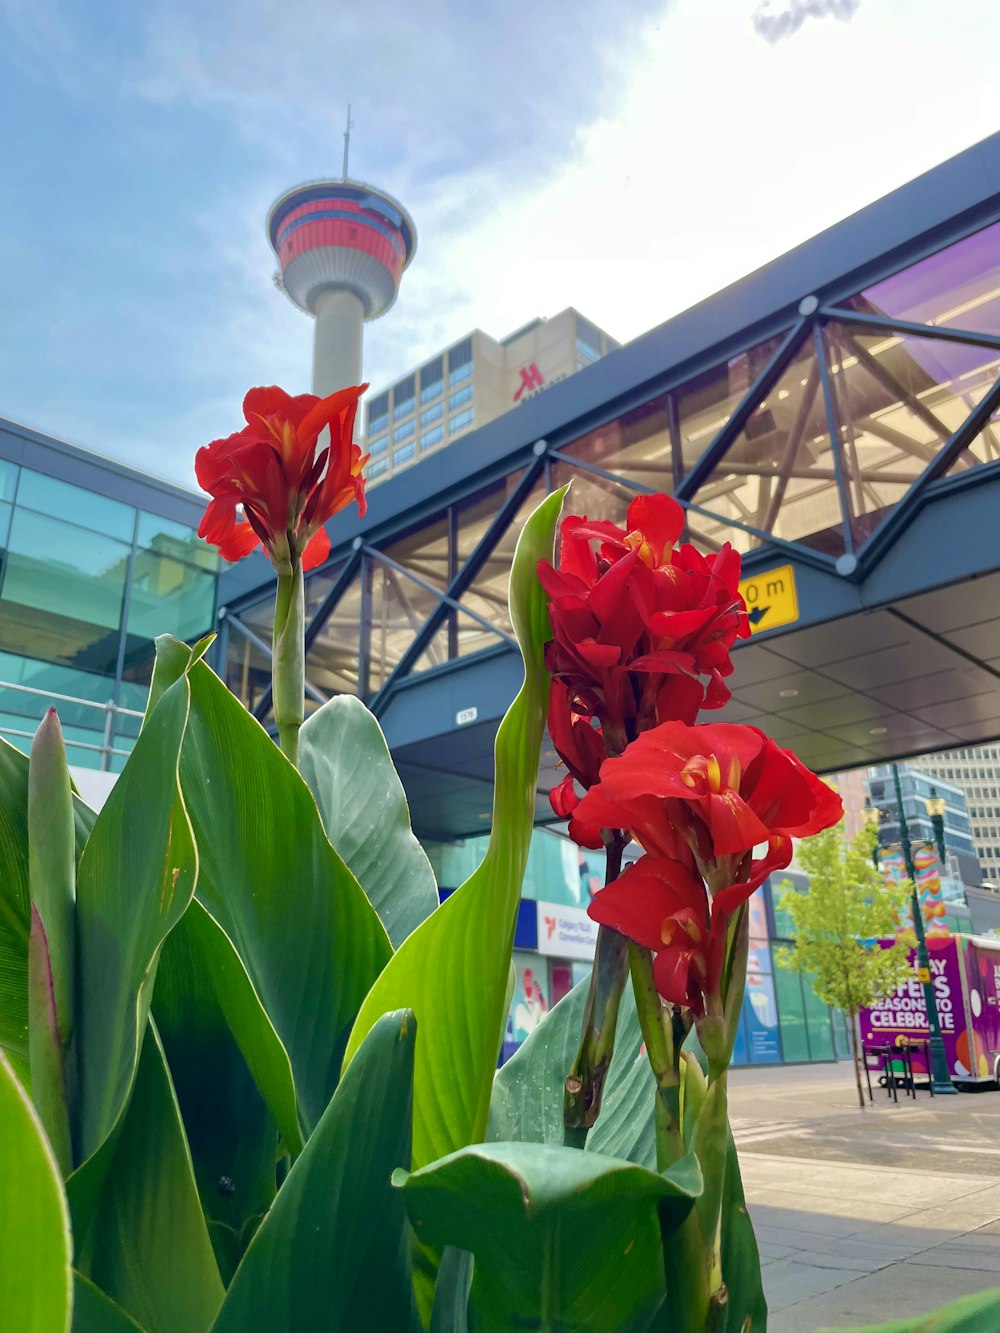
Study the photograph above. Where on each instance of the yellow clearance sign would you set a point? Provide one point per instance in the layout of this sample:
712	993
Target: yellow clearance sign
771	599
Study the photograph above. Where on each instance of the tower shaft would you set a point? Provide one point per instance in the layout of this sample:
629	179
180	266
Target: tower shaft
337	344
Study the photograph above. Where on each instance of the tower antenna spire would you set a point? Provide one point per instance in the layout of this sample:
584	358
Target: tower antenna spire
347	139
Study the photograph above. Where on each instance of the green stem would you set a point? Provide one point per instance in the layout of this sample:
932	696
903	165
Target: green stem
664	1058
584	1086
288	663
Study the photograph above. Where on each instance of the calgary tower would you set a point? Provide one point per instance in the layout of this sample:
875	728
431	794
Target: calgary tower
342	247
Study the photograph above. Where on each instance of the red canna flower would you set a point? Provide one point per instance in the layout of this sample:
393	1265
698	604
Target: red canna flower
272	470
641	631
699	799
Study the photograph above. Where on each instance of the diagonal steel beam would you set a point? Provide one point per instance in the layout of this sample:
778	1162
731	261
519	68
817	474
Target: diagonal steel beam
462	580
886	324
899	517
742	413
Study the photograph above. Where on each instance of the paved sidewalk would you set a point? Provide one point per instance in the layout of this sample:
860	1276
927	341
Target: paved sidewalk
866	1216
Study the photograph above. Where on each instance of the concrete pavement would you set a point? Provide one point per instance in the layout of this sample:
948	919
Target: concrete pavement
866	1216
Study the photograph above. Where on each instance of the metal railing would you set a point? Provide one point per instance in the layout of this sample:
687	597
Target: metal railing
111	710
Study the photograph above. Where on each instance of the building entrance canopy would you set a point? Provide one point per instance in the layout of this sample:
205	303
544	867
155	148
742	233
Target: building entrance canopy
835	416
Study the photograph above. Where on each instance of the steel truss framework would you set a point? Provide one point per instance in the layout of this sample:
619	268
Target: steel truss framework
820	335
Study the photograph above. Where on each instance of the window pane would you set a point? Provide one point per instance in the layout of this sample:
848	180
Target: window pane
460	421
432	414
8	479
399	608
779	474
791	1015
959	286
636	445
166	537
62	593
458	398
432	437
59	499
898	400
168	596
23	709
706	403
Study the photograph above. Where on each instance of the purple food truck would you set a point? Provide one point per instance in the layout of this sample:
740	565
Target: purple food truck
966	974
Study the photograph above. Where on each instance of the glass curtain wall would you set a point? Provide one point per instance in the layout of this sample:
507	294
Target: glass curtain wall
86	584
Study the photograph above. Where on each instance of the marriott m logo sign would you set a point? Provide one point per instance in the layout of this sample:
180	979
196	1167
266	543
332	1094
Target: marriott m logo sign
531	379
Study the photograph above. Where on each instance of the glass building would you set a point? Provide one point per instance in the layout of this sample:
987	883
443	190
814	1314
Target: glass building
96	561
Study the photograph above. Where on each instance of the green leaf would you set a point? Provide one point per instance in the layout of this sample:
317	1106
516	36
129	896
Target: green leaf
15	911
135	880
345	760
149	1249
451	1292
740	1257
35	1244
94	1312
971	1314
310	941
527	1101
452	971
230	1131
562	1239
52	941
333	1253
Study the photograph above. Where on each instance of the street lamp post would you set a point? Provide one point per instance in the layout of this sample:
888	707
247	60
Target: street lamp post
935	808
939	1061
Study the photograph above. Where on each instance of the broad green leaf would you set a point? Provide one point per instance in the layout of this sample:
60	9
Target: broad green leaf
562	1239
453	970
527	1106
135	880
740	1257
15	911
231	1134
149	1249
310	941
345	760
451	1292
333	1252
94	1312
971	1314
527	1101
36	1290
265	1056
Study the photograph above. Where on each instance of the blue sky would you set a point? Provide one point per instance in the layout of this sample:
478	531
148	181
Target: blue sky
549	157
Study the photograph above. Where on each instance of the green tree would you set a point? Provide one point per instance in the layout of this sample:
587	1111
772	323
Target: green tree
848	906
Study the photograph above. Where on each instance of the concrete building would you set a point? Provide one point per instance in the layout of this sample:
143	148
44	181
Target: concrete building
342	247
472	382
917	785
976	772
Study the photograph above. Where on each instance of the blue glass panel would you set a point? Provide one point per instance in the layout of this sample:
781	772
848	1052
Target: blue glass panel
8	479
62	595
60	499
166	537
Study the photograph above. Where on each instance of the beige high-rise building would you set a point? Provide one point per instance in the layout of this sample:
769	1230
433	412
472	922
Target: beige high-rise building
474	381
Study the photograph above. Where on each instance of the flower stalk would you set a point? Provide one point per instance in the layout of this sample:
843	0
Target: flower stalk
288	661
584	1085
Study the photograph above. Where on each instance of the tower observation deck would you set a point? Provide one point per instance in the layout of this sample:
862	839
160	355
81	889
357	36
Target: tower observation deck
342	247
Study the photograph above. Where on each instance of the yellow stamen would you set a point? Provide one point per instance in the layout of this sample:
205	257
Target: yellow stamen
713	773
